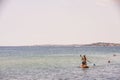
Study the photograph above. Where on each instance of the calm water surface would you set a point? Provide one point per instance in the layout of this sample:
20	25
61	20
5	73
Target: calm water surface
58	63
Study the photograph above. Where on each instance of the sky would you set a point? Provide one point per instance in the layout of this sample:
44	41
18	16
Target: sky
39	22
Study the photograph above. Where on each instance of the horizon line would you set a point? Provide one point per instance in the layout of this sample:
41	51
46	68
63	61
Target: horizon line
57	44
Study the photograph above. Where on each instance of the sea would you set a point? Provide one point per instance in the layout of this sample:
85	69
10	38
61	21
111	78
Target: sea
59	63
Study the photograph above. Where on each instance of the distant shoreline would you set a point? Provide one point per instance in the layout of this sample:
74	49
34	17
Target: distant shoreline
103	44
78	45
74	45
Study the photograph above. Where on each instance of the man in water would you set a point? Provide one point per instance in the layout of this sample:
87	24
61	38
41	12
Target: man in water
84	61
109	61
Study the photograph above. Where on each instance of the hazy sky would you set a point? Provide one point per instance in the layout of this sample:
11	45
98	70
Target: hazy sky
34	22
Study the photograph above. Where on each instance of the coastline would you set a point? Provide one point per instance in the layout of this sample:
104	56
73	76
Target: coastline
104	44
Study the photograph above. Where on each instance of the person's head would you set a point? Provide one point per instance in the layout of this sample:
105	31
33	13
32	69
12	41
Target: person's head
84	56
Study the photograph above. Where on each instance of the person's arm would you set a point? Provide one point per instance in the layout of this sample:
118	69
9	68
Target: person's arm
88	61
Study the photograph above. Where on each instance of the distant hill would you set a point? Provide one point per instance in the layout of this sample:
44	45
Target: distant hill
79	45
102	44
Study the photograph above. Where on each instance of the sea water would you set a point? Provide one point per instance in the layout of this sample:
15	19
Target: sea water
59	63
